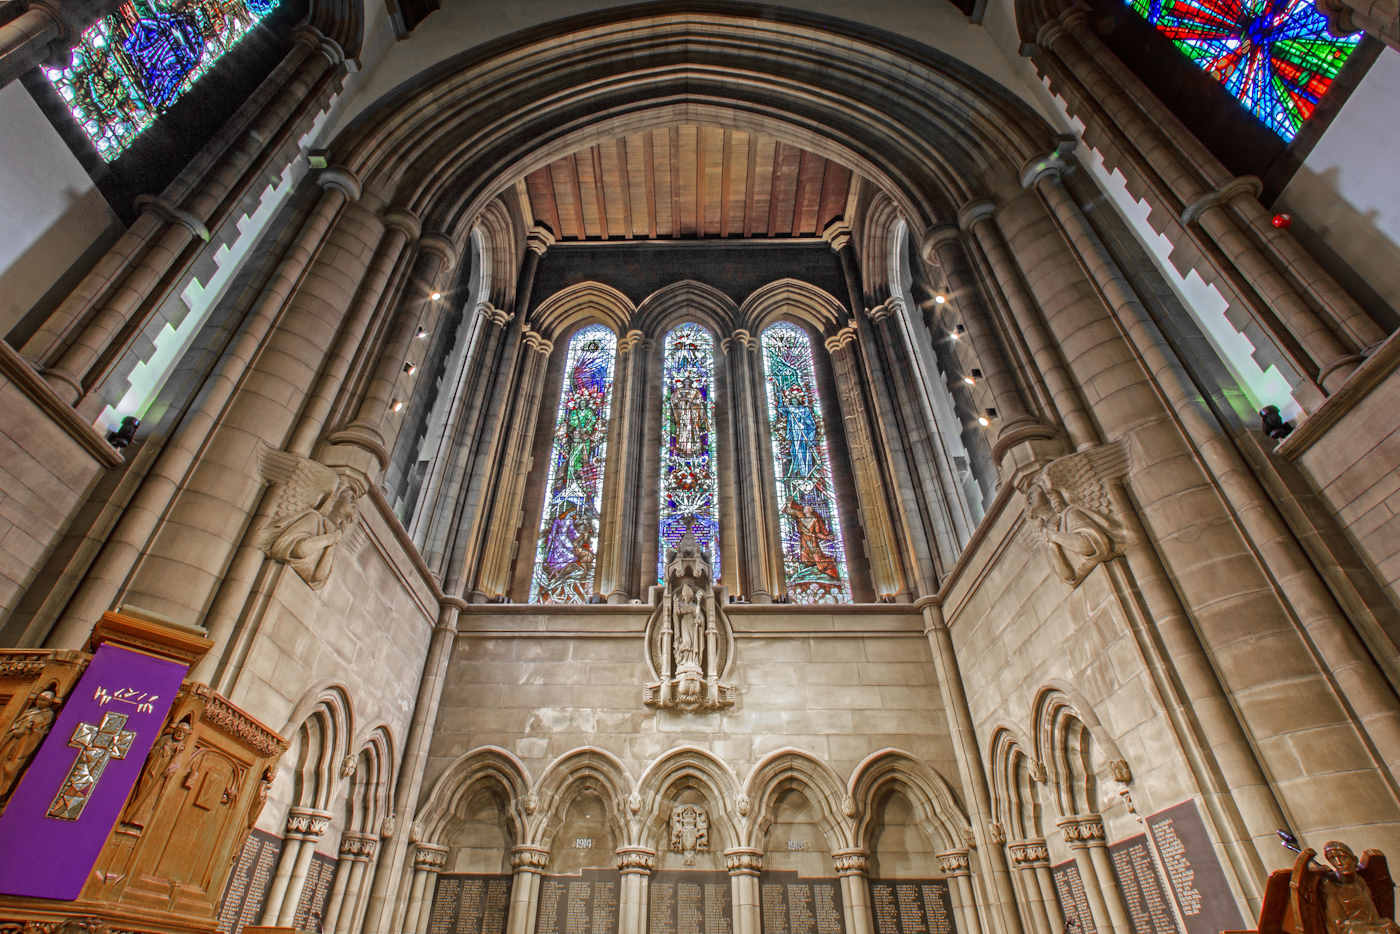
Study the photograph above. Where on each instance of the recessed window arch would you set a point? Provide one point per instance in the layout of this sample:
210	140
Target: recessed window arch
814	554
689	475
566	553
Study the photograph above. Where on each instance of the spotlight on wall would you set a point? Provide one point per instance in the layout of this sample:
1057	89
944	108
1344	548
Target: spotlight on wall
969	380
422	333
410	368
986	417
396	405
436	296
958	332
972	376
122	436
1274	425
939	298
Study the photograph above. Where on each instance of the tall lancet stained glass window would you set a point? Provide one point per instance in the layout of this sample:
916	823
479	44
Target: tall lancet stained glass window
568	545
132	64
814	557
689	486
1275	56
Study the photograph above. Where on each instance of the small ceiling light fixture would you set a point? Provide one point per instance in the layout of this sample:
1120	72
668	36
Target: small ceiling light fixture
958	332
969	380
939	298
986	417
410	368
436	296
422	333
396	405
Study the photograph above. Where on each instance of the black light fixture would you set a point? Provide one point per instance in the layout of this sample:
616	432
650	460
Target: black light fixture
1273	424
122	436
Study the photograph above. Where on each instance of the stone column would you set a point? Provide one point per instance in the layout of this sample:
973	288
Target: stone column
1380	18
877	520
1015	423
1032	861
636	864
1004	915
1085	836
759	577
304	827
618	575
957	866
507	530
428	860
527	863
356	853
744	864
851	867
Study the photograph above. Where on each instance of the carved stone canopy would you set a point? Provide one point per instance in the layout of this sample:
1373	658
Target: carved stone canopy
689	642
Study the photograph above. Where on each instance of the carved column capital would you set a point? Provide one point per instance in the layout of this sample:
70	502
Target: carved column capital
439	245
627	342
1054	162
974	211
173	215
358	846
430	857
1082	830
537	341
743	861
493	314
954	862
307	823
638	860
838	234
935	238
1029	853
539	239
402	220
341	179
741	337
529	858
1244	186
840	339
855	862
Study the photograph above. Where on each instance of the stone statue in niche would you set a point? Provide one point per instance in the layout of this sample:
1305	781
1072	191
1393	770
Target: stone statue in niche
689	643
1070	504
690	831
24	736
314	508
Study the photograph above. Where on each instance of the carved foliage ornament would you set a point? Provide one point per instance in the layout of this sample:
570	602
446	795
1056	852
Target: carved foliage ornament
690	831
314	507
1073	509
689	642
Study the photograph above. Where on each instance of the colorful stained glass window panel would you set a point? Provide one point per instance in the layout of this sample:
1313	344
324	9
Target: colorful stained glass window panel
566	556
134	63
689	485
1275	56
814	556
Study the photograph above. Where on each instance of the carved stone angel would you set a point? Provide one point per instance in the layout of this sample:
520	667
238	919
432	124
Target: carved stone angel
315	508
1070	506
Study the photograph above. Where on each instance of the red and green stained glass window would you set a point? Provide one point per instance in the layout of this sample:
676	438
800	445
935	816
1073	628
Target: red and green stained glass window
1275	56
689	484
814	557
565	558
132	64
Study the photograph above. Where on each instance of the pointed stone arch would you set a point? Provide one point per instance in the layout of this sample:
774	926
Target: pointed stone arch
792	299
322	724
936	805
1015	777
787	769
686	300
492	766
586	302
1074	748
585	770
698	768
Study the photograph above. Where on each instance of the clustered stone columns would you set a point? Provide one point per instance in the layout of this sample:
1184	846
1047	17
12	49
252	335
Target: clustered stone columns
357	852
304	827
42	30
851	868
527	864
428	861
1313	322
760	558
1032	861
1085	835
618	575
957	866
636	863
78	346
744	864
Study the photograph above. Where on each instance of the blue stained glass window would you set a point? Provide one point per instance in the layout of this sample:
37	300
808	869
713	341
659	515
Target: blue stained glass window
689	485
134	63
814	557
566	556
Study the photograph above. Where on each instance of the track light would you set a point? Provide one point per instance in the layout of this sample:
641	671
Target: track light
969	380
939	298
396	405
986	417
436	296
422	333
410	368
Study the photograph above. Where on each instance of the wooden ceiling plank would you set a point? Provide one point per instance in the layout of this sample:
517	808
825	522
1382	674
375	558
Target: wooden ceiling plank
574	172
599	180
560	189
675	172
726	155
799	192
700	181
650	160
750	179
771	230
626	177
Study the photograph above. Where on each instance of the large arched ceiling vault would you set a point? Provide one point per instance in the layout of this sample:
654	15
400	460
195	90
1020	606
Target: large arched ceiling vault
928	130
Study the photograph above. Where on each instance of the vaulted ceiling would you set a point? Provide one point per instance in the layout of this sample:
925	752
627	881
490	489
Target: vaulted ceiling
687	182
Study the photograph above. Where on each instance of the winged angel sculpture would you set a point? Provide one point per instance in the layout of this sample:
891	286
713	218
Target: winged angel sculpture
1070	505
315	508
1348	896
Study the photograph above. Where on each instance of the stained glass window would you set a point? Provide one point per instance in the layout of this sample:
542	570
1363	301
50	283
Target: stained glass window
689	489
132	64
567	551
814	558
1275	56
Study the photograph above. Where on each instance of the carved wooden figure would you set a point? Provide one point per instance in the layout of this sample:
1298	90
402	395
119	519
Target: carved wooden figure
1352	897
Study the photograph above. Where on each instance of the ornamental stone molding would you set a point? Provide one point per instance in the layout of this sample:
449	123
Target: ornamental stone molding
689	643
954	863
743	861
1082	830
851	862
1029	853
313	508
1245	185
529	858
1072	510
996	833
636	859
690	831
430	857
307	823
358	846
1121	771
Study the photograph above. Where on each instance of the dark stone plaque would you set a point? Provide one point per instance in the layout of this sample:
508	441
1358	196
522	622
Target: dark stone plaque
680	902
249	882
1143	893
912	906
792	904
1069	886
311	907
580	904
1193	872
470	903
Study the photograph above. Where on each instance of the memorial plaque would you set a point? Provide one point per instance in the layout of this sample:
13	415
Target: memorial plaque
249	882
580	904
470	903
311	907
793	904
912	906
1143	892
1193	873
1069	886
680	902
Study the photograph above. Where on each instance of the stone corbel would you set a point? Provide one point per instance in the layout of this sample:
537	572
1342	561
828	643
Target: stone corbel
1076	509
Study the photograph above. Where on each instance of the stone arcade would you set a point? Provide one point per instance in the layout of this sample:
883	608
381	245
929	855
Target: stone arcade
693	468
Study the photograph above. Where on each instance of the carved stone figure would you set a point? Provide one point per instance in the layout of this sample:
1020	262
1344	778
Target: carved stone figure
24	736
690	831
161	766
688	640
315	508
1070	506
1348	900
